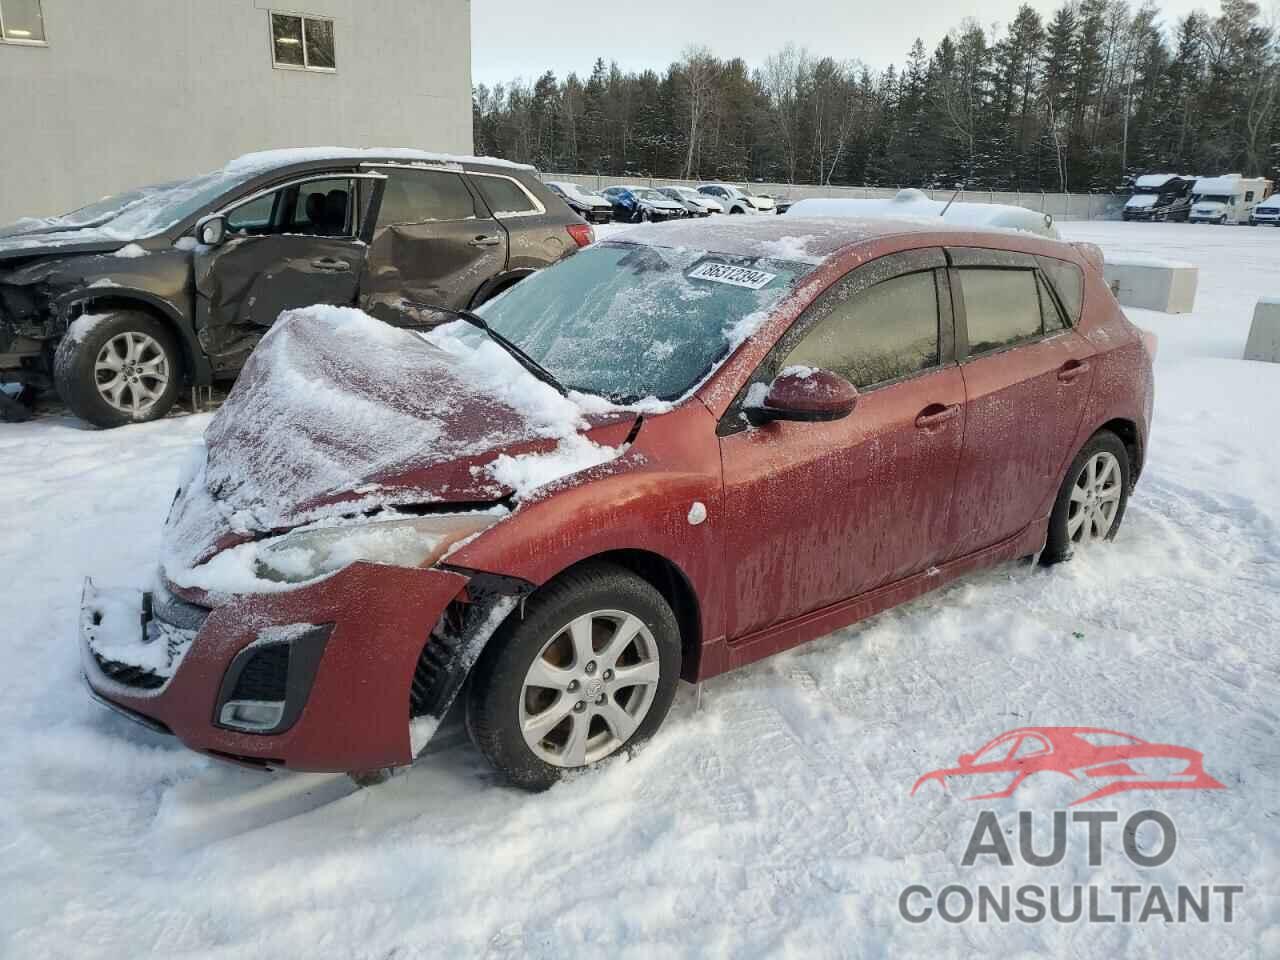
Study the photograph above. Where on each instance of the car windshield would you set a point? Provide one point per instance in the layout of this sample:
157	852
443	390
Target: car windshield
1215	198
147	211
627	321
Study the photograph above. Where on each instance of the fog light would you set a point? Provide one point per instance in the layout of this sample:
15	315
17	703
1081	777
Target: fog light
252	714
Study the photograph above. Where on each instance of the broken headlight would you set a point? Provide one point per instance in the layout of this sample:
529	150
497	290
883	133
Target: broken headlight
410	542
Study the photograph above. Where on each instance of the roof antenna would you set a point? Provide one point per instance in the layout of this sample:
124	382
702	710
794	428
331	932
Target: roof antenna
959	187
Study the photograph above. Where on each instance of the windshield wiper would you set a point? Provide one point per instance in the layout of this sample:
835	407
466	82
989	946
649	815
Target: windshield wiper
522	358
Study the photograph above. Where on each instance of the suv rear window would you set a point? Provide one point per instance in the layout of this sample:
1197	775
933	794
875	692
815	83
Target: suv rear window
420	196
504	197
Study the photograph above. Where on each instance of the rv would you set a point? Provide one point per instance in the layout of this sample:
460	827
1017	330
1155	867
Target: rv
1160	196
1227	199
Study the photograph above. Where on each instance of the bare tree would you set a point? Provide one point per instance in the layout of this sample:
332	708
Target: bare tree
698	68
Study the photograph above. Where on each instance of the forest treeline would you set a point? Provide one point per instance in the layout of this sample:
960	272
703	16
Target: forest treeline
1094	95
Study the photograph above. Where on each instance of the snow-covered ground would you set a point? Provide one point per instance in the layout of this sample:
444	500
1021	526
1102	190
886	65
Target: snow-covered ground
774	822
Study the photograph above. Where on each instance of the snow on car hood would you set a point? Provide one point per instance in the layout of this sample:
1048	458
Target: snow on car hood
337	413
1141	200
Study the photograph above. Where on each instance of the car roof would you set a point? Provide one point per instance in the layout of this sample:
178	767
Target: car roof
808	239
267	161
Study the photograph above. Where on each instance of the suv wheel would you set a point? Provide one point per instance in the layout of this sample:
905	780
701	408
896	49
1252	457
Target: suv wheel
1092	498
588	673
118	367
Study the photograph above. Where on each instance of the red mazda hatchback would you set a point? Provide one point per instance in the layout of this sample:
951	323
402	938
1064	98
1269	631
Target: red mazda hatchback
668	456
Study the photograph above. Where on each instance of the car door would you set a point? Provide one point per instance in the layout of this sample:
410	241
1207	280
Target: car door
1027	378
433	242
294	245
820	512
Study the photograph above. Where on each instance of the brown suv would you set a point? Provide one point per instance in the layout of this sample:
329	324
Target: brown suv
124	301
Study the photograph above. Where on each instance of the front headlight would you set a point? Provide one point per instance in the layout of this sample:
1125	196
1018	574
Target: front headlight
408	542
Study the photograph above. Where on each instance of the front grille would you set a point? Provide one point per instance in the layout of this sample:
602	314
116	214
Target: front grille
128	675
265	675
178	613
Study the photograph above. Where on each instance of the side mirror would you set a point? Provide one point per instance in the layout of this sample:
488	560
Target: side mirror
804	394
212	230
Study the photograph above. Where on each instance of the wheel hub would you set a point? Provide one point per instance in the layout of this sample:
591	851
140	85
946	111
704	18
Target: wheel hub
589	688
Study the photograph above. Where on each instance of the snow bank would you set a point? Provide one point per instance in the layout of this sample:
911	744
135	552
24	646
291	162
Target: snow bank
916	204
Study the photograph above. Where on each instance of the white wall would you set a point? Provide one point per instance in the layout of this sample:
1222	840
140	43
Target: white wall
130	92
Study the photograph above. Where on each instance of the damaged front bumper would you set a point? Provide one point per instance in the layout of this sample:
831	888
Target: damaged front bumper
345	673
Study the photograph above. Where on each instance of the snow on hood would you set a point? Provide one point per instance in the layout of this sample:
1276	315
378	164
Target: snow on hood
1141	200
915	204
338	413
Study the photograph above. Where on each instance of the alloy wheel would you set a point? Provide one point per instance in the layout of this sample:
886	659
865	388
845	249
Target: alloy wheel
589	688
131	372
1095	499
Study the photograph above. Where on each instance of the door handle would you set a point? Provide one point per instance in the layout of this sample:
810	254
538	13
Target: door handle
489	241
935	414
331	263
1073	370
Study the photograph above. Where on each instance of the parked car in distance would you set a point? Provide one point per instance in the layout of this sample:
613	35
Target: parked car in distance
782	204
697	204
1268	211
637	204
1227	199
588	205
1159	196
671	455
736	200
125	301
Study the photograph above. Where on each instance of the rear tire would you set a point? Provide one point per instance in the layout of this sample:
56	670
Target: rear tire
125	367
583	637
1092	498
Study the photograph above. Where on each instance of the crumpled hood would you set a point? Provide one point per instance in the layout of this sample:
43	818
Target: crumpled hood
35	242
337	413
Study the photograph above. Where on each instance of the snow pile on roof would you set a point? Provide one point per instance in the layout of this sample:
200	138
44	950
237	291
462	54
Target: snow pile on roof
265	160
1228	183
916	204
1153	181
1141	201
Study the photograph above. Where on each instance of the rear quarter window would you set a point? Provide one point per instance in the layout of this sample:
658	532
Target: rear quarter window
504	197
1067	281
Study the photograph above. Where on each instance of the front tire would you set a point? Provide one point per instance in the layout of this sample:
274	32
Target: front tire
116	368
589	672
1092	498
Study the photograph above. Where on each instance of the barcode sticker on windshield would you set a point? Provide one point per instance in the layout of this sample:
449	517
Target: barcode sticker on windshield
728	273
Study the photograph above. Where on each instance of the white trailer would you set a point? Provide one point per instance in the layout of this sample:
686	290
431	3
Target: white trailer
1229	198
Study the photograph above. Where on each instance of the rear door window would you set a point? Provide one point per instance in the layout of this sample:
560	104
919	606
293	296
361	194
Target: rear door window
421	196
885	332
1001	307
504	196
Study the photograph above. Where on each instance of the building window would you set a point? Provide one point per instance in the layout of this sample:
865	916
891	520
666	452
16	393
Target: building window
301	42
21	21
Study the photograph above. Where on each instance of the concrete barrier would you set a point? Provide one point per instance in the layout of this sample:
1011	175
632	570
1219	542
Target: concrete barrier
1264	332
1165	285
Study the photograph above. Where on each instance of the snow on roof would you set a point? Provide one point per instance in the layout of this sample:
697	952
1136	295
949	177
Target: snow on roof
1227	183
1153	180
916	205
265	160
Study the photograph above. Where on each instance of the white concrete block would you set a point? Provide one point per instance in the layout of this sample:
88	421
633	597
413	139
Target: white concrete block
1264	332
1165	285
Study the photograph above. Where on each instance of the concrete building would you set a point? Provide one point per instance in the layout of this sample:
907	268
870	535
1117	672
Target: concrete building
104	95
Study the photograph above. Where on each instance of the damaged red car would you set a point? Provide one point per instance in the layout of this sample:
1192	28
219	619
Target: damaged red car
673	454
